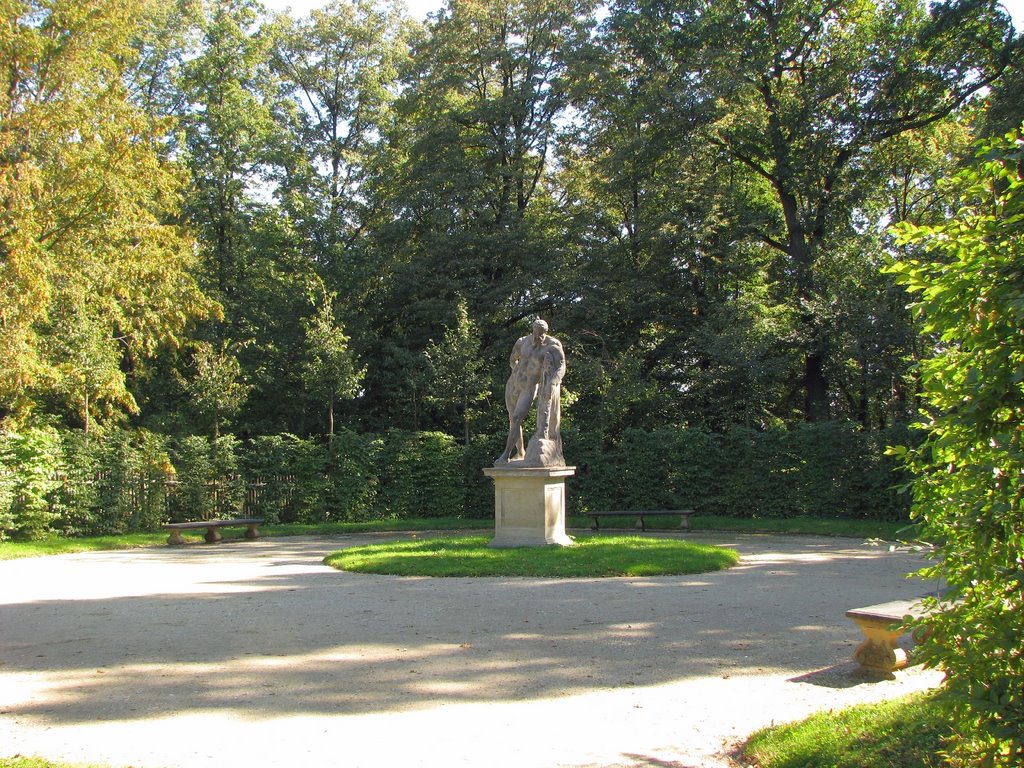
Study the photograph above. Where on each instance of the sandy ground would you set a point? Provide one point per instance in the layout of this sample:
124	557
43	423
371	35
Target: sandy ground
256	654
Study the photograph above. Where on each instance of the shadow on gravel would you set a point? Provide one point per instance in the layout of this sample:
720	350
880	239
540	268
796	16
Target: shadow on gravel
286	636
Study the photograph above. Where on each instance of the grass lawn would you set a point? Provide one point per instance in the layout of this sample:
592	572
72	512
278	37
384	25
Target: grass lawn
55	545
902	733
867	529
591	556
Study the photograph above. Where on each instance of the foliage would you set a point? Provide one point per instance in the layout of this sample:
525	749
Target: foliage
94	271
968	280
907	732
818	470
215	387
207	483
29	464
602	556
419	475
38	762
329	368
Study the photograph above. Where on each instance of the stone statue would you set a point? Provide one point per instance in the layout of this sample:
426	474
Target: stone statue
538	366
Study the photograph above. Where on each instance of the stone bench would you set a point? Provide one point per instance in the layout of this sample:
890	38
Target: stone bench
213	528
882	628
684	523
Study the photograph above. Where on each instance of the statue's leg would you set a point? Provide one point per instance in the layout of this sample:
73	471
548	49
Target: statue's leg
513	442
515	427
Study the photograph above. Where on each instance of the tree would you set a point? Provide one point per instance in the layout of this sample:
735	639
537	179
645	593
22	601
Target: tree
86	363
800	93
457	377
472	148
968	278
690	323
228	127
215	388
337	71
329	369
87	200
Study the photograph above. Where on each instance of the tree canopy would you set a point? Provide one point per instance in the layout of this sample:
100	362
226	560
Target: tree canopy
695	194
95	267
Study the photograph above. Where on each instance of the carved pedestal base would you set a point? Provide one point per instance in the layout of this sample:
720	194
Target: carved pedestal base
529	506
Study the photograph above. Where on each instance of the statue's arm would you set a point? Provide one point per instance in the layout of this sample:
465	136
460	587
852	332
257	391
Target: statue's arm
517	353
555	362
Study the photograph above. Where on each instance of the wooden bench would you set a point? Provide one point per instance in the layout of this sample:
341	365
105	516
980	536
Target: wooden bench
684	523
212	528
881	626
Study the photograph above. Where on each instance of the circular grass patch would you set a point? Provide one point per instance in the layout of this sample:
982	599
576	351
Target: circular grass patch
591	556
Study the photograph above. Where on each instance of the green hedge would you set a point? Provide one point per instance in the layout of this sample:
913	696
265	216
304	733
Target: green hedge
816	470
135	480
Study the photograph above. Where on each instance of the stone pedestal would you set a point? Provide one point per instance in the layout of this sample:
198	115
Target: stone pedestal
529	505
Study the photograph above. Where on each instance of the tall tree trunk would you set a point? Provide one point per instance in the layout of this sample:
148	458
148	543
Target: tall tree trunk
815	387
330	419
802	254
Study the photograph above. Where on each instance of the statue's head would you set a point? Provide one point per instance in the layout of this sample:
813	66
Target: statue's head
540	328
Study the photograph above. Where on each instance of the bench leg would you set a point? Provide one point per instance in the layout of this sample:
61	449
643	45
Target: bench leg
684	522
640	522
175	537
212	535
879	650
251	532
593	524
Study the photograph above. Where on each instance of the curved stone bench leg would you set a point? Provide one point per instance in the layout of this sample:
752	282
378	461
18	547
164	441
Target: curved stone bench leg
879	649
251	532
212	535
175	537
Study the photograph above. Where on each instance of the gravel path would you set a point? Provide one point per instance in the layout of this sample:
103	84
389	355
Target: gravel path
256	654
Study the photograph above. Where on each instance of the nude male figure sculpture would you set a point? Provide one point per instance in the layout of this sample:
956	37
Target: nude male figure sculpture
538	366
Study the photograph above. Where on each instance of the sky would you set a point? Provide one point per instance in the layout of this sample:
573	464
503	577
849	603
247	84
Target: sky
420	8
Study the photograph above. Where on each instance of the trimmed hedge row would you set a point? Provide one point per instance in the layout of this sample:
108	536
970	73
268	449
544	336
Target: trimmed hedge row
818	470
135	480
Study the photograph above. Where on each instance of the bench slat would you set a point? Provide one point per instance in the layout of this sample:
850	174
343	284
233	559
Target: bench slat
214	523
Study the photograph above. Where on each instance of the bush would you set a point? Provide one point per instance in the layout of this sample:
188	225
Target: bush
352	464
478	500
31	462
207	484
969	473
420	475
297	480
113	484
128	481
816	470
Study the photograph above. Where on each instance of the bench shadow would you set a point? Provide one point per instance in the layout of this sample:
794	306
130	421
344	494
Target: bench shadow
848	674
646	761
